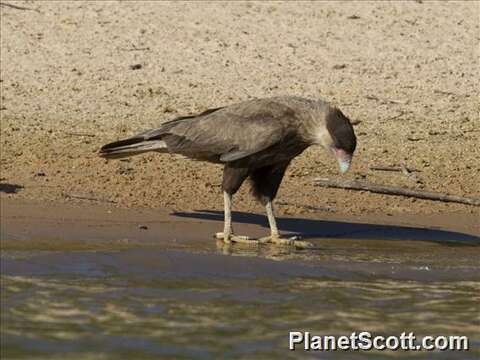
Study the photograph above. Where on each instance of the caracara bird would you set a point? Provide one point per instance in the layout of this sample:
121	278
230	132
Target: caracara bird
255	139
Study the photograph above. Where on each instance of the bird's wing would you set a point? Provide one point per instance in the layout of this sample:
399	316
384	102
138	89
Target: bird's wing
231	133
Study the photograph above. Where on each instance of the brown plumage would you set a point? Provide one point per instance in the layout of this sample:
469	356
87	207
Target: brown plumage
255	139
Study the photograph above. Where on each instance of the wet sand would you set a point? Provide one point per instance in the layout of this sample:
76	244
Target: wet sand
77	278
410	246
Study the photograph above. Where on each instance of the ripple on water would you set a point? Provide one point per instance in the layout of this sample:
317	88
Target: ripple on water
121	315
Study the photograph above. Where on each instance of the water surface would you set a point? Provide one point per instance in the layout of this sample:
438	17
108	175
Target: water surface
228	301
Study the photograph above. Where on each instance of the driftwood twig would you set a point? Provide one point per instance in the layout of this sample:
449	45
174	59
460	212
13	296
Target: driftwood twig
391	101
17	7
134	48
437	91
308	207
79	134
81	197
400	114
393	190
402	168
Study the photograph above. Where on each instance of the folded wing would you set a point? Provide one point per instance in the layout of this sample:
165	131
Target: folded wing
227	134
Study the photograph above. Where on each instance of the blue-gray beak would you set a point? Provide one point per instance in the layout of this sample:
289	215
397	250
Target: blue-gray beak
344	165
344	159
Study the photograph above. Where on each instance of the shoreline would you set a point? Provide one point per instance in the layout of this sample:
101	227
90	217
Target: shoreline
412	247
30	214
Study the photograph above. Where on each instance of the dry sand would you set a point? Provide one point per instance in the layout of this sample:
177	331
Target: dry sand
406	71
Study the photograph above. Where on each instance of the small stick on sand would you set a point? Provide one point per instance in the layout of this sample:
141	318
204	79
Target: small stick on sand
437	91
79	134
81	197
17	7
400	114
134	48
393	168
309	207
373	97
393	190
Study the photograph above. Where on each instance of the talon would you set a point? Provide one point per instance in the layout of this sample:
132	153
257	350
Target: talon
241	238
235	238
279	241
291	241
221	236
303	244
264	240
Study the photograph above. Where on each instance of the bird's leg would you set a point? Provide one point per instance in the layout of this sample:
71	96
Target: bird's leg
275	237
227	221
227	235
271	220
274	234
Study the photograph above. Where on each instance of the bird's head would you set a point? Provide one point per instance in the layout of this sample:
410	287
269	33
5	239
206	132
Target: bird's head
338	137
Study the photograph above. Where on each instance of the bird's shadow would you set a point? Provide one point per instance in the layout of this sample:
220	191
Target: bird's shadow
10	188
313	228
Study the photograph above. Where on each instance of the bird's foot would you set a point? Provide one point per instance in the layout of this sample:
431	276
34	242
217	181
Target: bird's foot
281	241
235	238
274	240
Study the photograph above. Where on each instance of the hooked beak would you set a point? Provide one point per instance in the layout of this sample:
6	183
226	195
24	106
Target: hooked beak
344	159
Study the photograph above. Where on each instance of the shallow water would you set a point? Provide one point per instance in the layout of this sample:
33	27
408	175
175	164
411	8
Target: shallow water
201	300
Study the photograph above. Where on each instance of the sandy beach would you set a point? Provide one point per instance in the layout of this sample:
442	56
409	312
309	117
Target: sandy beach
32	226
76	75
116	259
